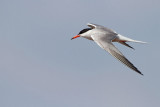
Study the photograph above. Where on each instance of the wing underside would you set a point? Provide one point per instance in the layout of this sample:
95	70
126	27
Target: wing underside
107	45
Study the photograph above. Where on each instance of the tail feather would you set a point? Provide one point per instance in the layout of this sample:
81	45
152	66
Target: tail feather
138	41
126	39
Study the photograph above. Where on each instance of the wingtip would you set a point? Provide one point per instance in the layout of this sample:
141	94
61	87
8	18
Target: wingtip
141	74
89	24
132	48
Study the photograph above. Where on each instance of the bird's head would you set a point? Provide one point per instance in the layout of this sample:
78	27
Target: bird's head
82	33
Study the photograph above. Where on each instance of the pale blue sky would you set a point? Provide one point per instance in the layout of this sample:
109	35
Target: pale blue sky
42	67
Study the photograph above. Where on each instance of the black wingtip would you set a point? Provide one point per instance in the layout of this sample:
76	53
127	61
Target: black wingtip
133	48
140	73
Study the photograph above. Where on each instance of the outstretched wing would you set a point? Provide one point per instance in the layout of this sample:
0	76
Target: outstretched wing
106	44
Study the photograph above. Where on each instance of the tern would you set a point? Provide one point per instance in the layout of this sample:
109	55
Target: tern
104	37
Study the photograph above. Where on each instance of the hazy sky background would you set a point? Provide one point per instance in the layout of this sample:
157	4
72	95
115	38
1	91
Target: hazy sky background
41	67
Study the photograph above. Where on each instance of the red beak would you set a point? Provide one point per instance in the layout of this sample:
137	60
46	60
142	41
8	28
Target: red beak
75	37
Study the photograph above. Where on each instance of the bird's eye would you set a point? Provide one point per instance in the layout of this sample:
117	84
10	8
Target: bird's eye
84	30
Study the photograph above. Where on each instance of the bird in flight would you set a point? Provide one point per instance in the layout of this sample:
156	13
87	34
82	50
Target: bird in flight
104	37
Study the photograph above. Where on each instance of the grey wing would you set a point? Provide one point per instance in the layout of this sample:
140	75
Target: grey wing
106	44
93	25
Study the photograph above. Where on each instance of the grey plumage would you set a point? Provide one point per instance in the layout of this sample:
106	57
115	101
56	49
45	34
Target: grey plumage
104	37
